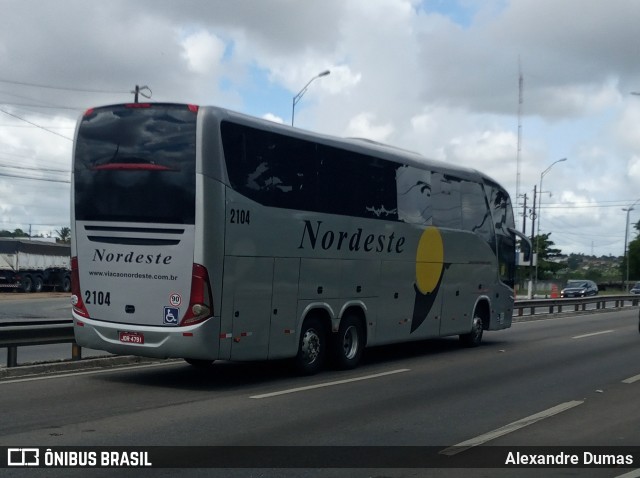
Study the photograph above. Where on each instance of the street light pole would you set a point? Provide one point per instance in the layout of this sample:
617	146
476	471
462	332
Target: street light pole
626	237
540	213
303	91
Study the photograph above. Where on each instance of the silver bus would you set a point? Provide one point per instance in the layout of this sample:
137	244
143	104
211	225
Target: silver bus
205	234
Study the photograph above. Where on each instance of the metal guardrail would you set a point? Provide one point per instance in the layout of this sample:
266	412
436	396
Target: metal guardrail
36	332
59	331
558	306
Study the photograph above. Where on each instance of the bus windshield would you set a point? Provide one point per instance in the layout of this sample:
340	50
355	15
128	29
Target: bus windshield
136	163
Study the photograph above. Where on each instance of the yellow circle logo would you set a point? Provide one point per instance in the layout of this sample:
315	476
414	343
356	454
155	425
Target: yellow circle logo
429	260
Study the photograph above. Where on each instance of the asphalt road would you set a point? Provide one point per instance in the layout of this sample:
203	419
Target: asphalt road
51	305
570	382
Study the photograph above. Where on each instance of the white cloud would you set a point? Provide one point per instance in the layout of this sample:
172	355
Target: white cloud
634	170
272	117
362	126
203	52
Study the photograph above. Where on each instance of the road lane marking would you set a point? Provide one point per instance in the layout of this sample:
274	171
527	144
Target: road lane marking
631	474
511	427
328	384
592	334
632	379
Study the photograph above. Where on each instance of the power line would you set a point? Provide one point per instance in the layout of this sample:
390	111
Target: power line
68	181
34	124
584	206
8	160
43	106
64	88
48	170
29	126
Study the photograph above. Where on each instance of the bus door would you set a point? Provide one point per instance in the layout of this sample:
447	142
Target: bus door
284	306
458	298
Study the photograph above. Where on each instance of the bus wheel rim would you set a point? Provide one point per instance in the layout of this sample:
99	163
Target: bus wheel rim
311	346
350	342
477	328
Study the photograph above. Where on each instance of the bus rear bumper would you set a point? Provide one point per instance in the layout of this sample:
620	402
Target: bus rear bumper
200	341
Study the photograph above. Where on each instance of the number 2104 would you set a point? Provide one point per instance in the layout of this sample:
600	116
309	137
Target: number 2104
239	216
97	297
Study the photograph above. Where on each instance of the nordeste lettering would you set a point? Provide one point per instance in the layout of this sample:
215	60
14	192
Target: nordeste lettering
353	241
101	255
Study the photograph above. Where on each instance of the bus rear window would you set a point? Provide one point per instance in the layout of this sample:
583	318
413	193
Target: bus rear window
136	164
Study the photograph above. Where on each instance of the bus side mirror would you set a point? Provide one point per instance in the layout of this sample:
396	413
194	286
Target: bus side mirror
525	244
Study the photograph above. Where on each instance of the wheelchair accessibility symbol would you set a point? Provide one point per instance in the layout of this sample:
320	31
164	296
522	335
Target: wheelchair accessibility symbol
171	315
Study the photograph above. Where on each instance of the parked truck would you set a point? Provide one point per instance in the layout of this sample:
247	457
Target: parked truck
32	265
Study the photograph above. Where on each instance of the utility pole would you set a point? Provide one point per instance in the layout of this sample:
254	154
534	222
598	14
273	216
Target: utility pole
533	229
141	90
524	216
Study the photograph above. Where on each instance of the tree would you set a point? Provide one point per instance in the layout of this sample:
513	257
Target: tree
632	255
547	268
64	234
16	233
575	261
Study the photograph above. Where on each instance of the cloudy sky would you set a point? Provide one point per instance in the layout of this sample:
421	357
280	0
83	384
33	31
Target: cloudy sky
440	77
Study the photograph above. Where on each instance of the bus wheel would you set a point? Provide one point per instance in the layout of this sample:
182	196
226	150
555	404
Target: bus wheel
311	349
348	345
473	338
199	363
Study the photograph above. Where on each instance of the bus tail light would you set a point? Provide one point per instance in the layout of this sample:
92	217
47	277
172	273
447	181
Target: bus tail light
76	296
200	303
138	105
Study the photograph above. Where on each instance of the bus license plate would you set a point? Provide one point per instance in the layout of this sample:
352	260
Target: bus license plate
131	338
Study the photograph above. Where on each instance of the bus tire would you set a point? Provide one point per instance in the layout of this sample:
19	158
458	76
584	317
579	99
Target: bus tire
199	363
312	347
473	338
26	284
348	344
38	283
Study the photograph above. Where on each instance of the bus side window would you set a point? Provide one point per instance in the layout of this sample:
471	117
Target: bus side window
414	195
476	216
353	184
269	168
447	210
293	175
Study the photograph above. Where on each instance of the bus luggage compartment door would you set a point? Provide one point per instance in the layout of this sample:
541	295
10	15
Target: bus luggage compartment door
248	288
